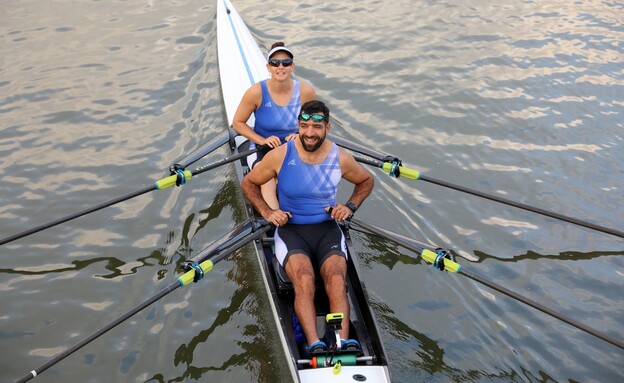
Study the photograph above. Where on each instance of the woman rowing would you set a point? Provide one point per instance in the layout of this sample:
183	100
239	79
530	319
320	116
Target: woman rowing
275	103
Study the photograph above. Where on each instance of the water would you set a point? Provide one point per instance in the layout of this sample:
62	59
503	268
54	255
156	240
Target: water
521	99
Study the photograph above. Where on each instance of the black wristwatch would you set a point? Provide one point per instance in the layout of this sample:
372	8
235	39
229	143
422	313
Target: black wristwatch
351	206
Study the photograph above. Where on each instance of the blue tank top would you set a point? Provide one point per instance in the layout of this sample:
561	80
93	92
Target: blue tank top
306	190
276	120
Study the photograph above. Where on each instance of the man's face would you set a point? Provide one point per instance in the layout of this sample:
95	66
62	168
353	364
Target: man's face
312	133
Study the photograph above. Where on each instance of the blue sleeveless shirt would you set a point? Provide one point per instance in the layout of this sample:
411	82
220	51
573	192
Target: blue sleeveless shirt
306	190
276	120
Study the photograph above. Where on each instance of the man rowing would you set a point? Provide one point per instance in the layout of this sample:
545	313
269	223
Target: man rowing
307	237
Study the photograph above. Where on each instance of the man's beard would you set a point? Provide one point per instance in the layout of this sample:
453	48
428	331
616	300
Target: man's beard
313	147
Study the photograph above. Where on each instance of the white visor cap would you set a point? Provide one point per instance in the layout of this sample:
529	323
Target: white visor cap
278	49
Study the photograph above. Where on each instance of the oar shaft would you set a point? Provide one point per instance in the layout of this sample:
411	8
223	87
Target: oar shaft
533	209
76	215
98	333
406	242
218	251
352	146
369	161
229	159
542	308
420	248
203	150
160	184
379	160
415	175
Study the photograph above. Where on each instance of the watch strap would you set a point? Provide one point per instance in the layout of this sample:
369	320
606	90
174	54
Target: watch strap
351	206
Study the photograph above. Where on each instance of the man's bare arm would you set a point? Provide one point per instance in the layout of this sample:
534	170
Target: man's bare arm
357	175
261	173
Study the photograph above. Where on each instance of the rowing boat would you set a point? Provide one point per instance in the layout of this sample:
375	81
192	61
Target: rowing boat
241	64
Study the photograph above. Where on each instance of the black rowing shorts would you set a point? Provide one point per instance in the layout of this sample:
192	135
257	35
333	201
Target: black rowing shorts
317	241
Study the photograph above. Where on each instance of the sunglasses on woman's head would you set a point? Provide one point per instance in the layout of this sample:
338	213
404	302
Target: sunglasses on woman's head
284	62
314	117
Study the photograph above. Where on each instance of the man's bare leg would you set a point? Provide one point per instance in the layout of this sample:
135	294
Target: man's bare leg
334	274
301	273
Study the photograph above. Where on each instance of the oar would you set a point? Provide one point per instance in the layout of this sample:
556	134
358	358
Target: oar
202	151
206	259
393	166
180	178
352	146
438	258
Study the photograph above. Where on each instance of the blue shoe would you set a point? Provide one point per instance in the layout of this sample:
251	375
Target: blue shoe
317	347
350	345
298	331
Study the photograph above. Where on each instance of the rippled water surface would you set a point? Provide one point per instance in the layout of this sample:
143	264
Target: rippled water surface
521	99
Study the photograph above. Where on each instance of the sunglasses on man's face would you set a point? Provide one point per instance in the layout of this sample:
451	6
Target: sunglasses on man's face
314	117
284	62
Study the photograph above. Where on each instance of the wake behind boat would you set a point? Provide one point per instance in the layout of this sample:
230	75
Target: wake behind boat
241	64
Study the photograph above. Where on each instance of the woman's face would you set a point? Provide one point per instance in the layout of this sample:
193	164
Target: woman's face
283	69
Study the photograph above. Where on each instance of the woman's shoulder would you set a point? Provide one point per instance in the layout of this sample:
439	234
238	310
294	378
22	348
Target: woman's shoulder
256	89
307	91
253	94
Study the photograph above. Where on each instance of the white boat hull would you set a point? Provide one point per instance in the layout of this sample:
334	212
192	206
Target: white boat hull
242	64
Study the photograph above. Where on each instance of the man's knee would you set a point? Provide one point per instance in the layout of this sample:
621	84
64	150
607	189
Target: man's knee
334	264
300	270
334	271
